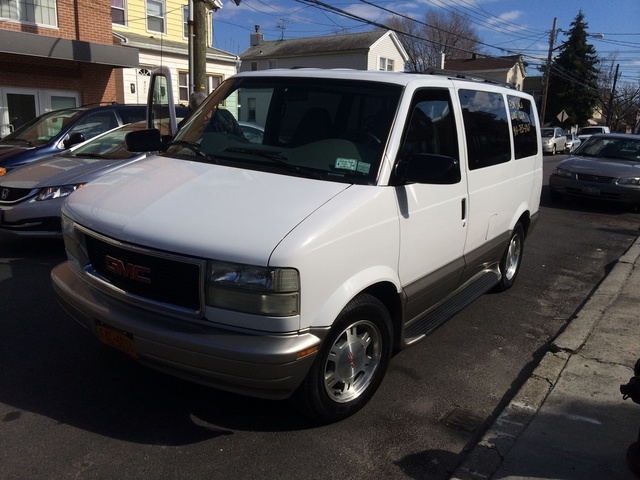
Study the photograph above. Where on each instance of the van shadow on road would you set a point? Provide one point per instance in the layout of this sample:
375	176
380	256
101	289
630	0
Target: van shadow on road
51	366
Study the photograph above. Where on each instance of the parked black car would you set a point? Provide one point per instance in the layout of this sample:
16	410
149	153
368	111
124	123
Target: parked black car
56	131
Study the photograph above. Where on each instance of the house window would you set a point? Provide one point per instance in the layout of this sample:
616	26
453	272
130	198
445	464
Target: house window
254	66
185	21
183	86
40	12
272	64
156	16
252	110
213	81
386	64
119	12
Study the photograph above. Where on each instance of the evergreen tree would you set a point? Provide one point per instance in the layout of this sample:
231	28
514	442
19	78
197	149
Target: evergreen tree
573	79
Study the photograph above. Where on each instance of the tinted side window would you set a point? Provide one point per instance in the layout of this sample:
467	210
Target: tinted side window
486	128
131	115
95	124
431	127
523	127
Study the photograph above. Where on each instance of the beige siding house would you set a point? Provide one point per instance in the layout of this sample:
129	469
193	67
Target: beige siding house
509	69
375	50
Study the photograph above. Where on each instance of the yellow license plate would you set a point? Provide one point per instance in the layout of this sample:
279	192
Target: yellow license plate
119	339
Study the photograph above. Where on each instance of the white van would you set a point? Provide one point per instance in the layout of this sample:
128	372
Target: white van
371	208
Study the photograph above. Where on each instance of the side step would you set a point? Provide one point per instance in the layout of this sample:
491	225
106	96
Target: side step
443	312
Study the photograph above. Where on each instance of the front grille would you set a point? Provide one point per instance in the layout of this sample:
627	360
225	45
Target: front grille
153	276
594	178
12	195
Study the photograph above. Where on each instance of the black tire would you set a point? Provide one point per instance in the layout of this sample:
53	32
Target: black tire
511	259
553	150
351	363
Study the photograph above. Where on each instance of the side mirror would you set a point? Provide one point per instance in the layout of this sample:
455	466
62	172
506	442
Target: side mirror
73	139
430	169
144	141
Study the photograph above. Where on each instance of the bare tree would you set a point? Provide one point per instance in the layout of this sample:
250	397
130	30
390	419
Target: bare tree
440	33
618	101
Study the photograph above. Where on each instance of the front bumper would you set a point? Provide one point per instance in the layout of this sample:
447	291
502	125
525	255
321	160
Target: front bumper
254	364
32	218
610	192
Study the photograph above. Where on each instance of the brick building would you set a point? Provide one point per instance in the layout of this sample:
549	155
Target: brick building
56	54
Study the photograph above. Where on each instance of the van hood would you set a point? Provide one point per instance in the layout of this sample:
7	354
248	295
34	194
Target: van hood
198	209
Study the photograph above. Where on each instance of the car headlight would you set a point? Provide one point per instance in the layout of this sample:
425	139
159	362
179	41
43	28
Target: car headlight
252	289
50	193
629	181
562	173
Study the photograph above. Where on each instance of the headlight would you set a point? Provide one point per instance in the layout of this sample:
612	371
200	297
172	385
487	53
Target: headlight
629	181
252	289
50	193
562	173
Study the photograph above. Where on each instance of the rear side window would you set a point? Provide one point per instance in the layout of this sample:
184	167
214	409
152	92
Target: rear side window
95	124
523	127
486	128
132	115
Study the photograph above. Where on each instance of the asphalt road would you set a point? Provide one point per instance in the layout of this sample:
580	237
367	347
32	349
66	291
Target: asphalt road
72	408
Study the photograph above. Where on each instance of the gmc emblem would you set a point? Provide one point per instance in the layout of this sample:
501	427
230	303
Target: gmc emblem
129	270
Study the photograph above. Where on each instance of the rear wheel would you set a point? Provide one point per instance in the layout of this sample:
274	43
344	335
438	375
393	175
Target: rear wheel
351	363
511	259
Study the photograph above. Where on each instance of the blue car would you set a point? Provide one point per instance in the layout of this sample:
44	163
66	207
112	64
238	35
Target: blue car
57	131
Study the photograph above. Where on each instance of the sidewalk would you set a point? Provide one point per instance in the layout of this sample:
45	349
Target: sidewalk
569	420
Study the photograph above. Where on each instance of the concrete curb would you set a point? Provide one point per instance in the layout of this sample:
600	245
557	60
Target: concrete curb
487	456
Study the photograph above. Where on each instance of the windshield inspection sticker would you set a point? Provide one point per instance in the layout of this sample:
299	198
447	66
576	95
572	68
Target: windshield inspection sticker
352	164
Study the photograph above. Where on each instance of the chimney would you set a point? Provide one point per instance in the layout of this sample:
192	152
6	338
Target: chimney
256	38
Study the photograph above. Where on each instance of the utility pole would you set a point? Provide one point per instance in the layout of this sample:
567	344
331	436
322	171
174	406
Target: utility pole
613	91
545	91
200	46
198	42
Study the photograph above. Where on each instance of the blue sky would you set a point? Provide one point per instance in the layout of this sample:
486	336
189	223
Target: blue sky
509	27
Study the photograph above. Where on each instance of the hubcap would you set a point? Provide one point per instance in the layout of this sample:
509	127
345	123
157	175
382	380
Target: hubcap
352	362
513	257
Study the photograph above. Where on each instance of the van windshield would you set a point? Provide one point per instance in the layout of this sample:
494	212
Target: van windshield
330	129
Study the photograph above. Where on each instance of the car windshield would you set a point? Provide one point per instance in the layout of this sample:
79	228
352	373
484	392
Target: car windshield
319	128
618	148
42	129
109	145
546	132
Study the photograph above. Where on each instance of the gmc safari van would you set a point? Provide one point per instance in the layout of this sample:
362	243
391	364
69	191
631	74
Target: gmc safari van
374	206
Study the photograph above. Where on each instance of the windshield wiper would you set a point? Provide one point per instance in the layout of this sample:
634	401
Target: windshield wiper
193	146
23	140
280	160
276	157
88	155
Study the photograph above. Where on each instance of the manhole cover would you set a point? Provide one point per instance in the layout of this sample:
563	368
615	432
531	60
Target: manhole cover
462	419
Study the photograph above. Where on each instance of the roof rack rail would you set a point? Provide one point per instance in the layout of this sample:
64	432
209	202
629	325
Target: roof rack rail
462	75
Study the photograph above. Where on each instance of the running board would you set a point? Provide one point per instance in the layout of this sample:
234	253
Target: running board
422	327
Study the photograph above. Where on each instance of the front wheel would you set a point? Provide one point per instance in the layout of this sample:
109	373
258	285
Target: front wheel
351	363
511	259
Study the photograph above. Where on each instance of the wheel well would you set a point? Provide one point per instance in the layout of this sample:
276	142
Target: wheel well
525	221
387	294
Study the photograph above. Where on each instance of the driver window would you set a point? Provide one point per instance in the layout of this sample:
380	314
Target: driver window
431	128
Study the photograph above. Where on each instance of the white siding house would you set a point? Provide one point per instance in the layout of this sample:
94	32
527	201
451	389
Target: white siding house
375	50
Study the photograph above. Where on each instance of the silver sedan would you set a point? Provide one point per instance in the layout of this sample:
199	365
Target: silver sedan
605	167
31	196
